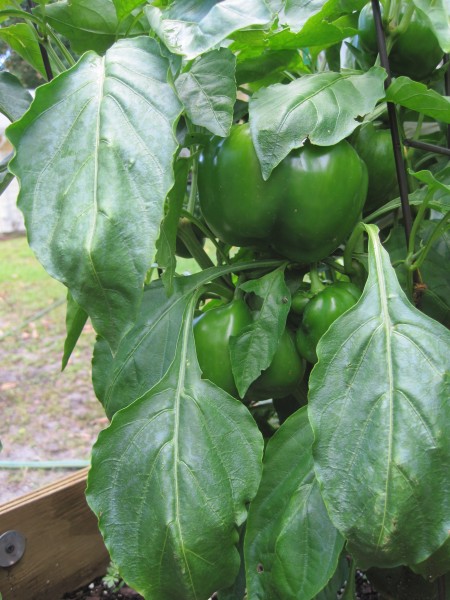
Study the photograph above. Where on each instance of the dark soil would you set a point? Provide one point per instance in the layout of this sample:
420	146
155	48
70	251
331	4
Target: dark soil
100	591
97	590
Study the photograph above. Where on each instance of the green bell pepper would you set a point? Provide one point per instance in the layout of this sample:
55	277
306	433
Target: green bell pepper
320	312
304	211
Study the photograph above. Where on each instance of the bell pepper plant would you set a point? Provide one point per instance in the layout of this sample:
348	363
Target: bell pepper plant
278	415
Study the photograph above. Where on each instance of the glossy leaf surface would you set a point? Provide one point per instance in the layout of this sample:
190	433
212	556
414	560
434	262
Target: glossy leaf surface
318	23
22	39
252	351
337	582
192	27
292	548
435	300
317	34
185	460
208	90
416	96
378	408
321	107
14	99
296	13
145	353
94	176
89	24
124	7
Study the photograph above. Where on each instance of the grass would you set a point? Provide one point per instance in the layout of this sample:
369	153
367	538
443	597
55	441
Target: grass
22	284
46	414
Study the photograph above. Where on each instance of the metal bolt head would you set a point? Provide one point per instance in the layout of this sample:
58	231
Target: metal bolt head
12	548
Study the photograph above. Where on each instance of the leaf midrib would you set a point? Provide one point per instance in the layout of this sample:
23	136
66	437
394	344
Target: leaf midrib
387	326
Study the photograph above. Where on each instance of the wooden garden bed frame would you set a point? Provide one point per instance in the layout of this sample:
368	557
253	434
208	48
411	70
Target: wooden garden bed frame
64	549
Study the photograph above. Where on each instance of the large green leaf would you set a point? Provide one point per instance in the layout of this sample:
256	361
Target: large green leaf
237	591
171	478
295	13
208	90
401	583
146	352
440	203
437	564
416	96
14	99
292	548
94	176
322	107
257	63
125	7
317	34
378	406
192	27
337	582
437	14
21	37
314	18
76	319
253	349
90	24
435	300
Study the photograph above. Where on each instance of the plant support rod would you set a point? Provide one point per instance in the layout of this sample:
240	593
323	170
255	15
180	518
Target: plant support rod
426	146
399	162
43	50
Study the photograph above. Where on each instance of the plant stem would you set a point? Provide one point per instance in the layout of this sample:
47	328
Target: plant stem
418	129
406	18
134	21
194	179
350	589
190	240
352	243
418	220
19	14
206	232
377	112
55	58
316	284
63	49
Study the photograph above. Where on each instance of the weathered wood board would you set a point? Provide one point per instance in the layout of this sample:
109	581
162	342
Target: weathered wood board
64	549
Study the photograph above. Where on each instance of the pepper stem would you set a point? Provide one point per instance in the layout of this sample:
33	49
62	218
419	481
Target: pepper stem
316	283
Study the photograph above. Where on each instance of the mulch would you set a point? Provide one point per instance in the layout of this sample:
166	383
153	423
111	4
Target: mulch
98	590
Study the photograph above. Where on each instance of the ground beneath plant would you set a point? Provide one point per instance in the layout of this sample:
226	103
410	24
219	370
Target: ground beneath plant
98	590
46	414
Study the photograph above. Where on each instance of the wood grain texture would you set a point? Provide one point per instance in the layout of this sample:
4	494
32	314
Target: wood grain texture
64	549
